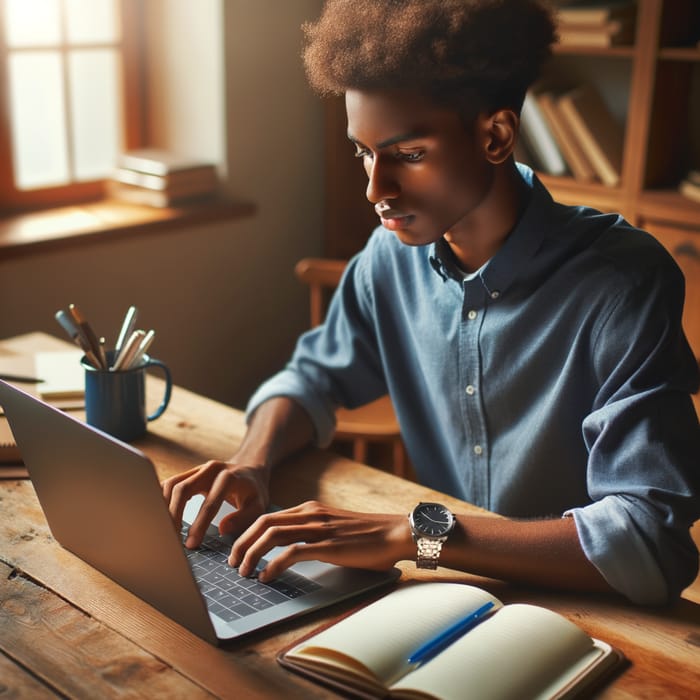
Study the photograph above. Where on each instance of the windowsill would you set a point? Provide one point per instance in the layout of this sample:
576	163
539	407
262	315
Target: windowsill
51	229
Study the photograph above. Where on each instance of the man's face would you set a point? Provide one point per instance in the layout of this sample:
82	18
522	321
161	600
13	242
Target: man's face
427	171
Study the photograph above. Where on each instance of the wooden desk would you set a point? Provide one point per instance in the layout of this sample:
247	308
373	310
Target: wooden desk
65	629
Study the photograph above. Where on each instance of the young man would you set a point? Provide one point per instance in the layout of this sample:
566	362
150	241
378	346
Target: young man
533	351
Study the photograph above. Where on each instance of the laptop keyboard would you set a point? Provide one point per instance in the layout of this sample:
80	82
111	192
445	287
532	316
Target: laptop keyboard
231	596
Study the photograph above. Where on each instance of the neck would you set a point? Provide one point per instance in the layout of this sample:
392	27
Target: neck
480	237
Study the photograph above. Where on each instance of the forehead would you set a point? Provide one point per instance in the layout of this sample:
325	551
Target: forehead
375	117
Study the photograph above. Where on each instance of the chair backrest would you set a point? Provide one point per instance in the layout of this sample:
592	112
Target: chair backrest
321	275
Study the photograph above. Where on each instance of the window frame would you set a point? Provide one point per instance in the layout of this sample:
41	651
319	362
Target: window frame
133	105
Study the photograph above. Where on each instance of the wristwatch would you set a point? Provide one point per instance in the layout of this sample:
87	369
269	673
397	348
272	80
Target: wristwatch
430	523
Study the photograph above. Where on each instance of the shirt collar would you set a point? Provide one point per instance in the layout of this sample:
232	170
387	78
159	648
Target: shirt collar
520	246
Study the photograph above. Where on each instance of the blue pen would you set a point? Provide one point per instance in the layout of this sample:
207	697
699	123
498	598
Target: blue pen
435	645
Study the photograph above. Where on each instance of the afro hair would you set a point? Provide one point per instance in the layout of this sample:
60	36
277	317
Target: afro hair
454	51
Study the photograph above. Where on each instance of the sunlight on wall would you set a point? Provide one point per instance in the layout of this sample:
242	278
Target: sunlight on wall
186	77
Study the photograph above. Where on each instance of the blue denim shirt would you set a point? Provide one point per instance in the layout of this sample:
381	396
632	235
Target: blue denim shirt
554	382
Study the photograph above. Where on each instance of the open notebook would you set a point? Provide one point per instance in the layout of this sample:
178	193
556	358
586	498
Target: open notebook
512	652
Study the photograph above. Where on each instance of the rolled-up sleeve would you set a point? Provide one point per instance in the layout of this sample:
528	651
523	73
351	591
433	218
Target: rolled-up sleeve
335	364
291	385
644	448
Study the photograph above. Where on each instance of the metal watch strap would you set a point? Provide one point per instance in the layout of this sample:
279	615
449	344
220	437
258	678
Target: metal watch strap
428	552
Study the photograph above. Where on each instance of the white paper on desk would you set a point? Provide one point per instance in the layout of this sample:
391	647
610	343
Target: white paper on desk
63	375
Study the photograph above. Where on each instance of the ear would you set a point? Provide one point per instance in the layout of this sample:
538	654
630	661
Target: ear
500	134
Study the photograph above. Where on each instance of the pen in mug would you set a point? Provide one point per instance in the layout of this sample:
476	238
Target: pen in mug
142	349
441	641
88	335
127	328
69	325
128	351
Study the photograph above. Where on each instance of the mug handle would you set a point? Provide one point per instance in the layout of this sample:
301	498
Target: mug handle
152	362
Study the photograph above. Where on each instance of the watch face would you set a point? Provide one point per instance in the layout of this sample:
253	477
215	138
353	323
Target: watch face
432	520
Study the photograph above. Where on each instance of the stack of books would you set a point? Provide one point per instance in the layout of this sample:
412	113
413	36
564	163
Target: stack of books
573	132
598	24
161	178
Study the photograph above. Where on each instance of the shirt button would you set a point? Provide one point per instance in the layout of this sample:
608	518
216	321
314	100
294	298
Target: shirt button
478	449
495	294
471	315
470	390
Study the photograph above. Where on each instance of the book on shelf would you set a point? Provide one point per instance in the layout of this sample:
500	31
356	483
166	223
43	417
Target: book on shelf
597	131
538	138
574	155
689	187
160	178
196	178
157	161
513	651
63	387
612	33
589	13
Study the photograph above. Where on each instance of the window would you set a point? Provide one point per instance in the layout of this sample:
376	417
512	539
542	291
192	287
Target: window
70	87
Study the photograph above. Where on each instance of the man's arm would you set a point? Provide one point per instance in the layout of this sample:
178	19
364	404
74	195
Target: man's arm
537	552
278	428
544	553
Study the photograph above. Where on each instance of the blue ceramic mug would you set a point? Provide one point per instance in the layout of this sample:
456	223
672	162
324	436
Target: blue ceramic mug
115	401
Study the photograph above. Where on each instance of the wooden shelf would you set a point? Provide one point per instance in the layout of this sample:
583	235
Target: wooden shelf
102	220
588	189
669	206
690	54
607	51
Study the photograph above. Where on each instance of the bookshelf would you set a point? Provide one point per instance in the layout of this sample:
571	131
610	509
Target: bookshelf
652	87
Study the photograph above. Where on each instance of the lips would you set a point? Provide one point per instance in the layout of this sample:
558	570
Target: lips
393	219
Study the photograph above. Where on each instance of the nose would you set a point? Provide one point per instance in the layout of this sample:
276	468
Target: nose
381	183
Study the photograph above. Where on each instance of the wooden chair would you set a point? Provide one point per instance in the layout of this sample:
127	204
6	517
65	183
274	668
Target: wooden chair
375	422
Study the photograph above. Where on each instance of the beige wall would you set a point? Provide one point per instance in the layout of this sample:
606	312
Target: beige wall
221	297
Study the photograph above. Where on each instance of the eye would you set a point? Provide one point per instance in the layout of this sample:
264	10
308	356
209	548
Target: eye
363	153
410	156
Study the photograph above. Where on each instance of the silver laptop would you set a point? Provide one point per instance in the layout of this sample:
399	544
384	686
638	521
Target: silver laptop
103	502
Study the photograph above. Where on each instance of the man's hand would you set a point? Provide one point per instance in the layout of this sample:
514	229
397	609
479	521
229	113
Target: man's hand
278	428
312	531
245	487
